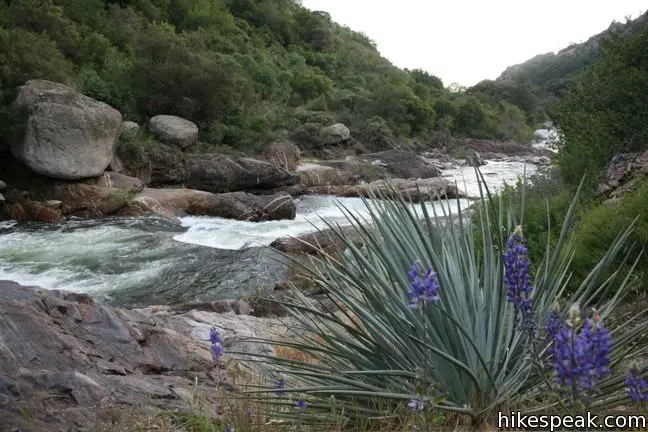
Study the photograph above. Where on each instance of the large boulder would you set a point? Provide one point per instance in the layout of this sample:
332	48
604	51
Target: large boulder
174	130
219	173
334	134
403	164
68	135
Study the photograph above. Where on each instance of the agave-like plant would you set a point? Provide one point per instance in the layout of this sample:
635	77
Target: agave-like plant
374	356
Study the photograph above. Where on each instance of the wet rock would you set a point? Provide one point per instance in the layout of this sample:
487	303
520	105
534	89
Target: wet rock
403	164
2	199
3	186
69	136
413	190
234	205
326	241
86	200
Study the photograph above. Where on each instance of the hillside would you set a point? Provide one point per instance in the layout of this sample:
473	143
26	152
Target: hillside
246	71
551	72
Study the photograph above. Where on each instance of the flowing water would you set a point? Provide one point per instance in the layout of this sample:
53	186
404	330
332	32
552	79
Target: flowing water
148	260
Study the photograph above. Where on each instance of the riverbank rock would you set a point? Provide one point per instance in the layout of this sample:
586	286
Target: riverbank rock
284	154
220	173
68	135
156	164
90	201
412	190
623	174
403	164
324	240
65	359
314	174
174	131
234	205
115	180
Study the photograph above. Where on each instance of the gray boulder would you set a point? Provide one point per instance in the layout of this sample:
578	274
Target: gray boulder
174	130
403	164
130	129
334	134
68	135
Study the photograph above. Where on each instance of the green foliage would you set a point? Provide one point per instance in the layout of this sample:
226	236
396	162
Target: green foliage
244	71
605	109
375	347
600	226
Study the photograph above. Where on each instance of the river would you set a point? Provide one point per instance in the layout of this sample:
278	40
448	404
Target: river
148	260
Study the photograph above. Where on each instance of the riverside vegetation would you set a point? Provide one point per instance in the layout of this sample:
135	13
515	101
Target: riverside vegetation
433	325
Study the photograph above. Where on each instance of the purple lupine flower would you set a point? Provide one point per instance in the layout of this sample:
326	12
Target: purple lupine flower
516	276
280	385
229	428
216	347
301	404
416	405
553	326
424	289
581	358
637	389
214	336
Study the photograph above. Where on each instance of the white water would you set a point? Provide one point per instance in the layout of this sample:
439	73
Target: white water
313	212
151	257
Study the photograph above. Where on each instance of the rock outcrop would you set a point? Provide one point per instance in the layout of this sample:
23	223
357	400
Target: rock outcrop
174	131
68	135
623	173
220	173
66	360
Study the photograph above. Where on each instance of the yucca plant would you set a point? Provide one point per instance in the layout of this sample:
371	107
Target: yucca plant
463	348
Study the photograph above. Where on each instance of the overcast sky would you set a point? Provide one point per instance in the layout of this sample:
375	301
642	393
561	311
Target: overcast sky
466	41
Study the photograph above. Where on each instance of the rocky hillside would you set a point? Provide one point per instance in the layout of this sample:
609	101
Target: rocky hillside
246	72
552	71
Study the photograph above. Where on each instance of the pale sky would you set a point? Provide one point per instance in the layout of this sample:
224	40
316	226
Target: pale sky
466	41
